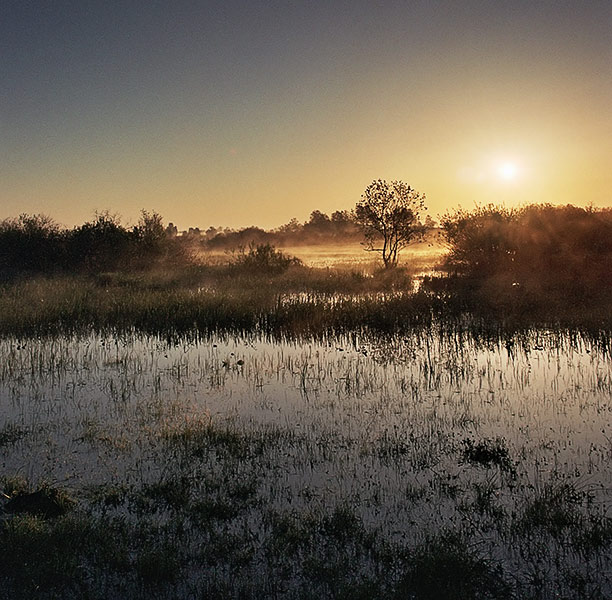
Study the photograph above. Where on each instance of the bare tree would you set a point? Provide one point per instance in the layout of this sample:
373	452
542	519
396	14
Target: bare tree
389	215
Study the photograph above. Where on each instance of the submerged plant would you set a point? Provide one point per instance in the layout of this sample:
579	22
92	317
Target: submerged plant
554	509
488	452
11	434
447	567
46	502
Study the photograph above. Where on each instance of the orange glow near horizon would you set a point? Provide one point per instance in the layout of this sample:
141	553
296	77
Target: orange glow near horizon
244	120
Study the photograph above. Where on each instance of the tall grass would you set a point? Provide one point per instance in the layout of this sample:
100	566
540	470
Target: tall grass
76	304
297	302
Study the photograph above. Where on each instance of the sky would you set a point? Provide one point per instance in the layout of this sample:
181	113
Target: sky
251	113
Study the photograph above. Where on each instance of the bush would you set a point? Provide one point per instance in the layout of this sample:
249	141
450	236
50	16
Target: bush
36	245
100	245
264	258
538	255
30	244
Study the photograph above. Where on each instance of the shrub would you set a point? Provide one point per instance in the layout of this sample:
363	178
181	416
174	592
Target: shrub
30	244
535	256
264	258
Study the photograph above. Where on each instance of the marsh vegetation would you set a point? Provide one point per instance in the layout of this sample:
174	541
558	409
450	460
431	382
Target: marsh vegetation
254	427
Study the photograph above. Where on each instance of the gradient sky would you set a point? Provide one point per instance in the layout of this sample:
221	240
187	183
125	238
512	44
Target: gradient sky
238	113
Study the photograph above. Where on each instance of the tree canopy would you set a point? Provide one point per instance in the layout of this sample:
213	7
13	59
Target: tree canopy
389	216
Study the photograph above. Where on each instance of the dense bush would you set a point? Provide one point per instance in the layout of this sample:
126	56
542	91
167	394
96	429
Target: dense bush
264	258
35	244
100	245
31	243
534	254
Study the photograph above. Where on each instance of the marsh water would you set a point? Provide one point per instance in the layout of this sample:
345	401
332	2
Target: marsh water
378	423
547	394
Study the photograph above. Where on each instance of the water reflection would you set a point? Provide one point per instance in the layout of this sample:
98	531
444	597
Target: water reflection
545	392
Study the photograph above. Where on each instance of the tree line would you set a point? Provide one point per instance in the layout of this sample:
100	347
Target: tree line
387	213
496	255
388	217
31	244
321	228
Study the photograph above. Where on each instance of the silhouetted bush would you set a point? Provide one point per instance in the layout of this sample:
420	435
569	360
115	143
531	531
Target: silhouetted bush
35	244
264	258
101	245
30	244
530	256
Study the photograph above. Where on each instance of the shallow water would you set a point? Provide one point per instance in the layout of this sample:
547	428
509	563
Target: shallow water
548	395
375	423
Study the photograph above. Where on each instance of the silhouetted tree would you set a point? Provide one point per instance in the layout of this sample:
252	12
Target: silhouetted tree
291	227
101	245
318	227
430	223
389	214
149	238
341	217
318	218
30	243
211	232
150	228
171	230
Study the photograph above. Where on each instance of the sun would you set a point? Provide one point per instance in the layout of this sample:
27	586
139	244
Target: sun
508	171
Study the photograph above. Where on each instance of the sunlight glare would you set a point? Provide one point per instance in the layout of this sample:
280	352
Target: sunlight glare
508	171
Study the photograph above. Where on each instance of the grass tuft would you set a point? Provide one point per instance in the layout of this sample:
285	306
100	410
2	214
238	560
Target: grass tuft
447	567
487	453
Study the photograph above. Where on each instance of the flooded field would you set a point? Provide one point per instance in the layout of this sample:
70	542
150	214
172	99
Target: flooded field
418	256
315	468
